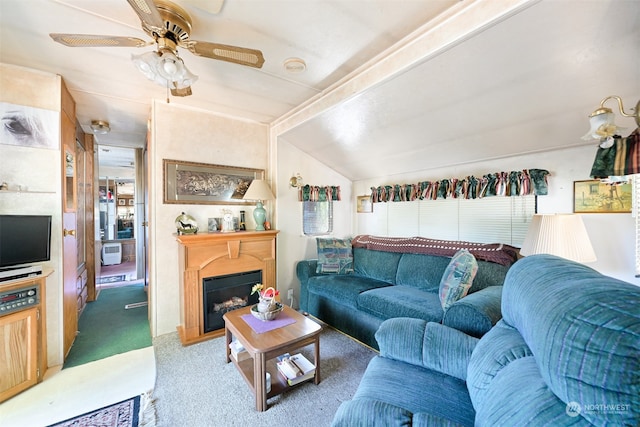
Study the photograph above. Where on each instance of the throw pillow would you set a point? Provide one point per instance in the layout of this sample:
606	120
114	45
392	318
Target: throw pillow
334	256
457	278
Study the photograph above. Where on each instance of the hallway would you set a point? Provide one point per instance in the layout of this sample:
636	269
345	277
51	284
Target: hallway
117	274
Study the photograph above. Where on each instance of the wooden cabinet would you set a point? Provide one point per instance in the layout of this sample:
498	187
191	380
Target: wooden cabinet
23	340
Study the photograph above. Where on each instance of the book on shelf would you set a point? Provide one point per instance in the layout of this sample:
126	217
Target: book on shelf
238	352
296	368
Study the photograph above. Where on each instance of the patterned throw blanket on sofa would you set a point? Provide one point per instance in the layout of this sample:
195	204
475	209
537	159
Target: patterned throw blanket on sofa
492	252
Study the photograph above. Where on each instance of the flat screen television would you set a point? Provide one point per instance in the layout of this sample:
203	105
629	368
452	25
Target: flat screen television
24	239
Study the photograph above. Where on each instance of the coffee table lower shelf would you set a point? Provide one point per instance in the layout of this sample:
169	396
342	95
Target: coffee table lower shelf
279	384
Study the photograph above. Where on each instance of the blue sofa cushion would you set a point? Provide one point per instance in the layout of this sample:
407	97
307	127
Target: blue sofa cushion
370	413
457	278
518	396
497	348
376	264
334	256
343	289
416	389
586	344
401	301
421	271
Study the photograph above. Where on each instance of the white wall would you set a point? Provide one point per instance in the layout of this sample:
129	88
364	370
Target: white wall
181	133
612	235
293	245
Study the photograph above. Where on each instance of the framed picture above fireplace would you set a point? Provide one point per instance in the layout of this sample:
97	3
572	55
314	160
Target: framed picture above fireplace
206	184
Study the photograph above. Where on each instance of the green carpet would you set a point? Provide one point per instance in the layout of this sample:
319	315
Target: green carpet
106	328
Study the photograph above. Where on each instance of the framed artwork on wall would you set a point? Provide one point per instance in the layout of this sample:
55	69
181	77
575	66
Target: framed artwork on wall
594	196
364	204
201	183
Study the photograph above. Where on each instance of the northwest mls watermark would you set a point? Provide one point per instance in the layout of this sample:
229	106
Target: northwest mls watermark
574	408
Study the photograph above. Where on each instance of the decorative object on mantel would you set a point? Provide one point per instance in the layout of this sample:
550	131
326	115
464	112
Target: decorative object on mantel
259	191
563	235
316	193
514	183
186	224
227	221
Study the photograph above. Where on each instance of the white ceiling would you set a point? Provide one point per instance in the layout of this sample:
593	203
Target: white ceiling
523	84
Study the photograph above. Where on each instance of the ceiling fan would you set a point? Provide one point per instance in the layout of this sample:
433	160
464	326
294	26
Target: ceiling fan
170	27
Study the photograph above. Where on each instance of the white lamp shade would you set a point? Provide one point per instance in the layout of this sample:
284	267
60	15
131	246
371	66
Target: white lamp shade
258	190
563	235
601	126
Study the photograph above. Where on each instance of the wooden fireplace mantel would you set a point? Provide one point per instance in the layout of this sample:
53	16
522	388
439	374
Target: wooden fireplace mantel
205	255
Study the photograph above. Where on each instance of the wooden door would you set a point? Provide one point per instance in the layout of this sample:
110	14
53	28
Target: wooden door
69	216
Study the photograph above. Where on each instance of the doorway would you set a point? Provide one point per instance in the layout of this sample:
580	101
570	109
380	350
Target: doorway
119	215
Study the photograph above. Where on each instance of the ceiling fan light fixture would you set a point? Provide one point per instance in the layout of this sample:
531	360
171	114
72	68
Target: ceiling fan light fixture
100	127
164	68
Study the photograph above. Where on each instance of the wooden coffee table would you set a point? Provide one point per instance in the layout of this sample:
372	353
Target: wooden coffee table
264	347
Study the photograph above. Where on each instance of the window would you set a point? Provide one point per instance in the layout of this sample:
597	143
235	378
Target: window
317	218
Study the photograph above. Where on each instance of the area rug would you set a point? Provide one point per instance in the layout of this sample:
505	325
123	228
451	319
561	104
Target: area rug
111	279
138	411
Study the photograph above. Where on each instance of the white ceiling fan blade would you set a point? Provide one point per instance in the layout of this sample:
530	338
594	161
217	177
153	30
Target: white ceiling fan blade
209	6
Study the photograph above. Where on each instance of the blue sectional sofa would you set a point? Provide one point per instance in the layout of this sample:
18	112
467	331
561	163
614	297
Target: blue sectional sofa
565	353
397	277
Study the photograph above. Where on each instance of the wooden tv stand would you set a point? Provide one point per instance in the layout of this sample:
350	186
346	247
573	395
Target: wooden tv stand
23	338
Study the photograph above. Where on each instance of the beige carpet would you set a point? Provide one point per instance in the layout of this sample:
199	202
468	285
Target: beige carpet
195	387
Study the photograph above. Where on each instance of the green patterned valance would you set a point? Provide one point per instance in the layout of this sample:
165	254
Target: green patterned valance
619	159
514	183
315	193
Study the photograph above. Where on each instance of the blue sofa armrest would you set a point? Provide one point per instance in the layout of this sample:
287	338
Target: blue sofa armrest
476	313
304	270
427	344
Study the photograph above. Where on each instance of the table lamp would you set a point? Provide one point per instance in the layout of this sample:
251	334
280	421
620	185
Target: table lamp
259	191
563	235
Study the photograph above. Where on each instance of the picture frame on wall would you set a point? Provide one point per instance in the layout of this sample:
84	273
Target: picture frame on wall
209	184
594	196
364	204
122	202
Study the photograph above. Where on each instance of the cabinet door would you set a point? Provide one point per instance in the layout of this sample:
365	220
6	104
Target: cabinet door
18	352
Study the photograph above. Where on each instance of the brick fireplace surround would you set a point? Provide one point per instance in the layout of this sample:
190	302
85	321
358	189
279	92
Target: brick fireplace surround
214	254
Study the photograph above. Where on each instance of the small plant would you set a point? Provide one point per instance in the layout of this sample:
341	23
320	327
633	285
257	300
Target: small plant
264	293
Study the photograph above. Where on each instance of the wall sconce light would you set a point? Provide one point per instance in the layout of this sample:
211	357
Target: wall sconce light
602	121
296	181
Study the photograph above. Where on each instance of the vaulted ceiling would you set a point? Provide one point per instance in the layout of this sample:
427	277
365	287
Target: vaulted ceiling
520	83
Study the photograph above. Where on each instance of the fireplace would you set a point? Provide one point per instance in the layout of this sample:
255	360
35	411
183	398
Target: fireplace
213	255
222	294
